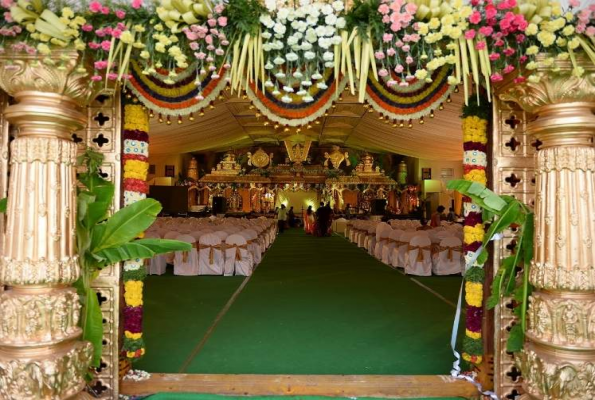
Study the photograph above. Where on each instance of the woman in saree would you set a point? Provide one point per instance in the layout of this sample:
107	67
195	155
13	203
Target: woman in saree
309	221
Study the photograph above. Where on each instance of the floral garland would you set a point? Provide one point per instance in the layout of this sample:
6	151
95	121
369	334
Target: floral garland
415	100
136	166
475	128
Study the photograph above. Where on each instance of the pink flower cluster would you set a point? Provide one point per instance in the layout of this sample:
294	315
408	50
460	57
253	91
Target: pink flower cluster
586	21
397	13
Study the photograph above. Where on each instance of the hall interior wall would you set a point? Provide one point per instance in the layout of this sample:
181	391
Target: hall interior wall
443	198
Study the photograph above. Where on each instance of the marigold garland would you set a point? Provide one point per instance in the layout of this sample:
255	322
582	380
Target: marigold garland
135	170
475	127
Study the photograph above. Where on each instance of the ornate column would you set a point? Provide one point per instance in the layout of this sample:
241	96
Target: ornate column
558	361
41	354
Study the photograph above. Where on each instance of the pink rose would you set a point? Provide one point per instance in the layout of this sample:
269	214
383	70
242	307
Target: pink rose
414	37
117	33
475	18
209	39
480	45
379	55
224	42
200	55
409	60
193	46
494	56
219	8
385	19
387	37
508	69
122	27
191	36
411	8
508	51
211	67
94	45
470	34
222	21
391	83
105	10
399	68
219	52
7	4
399	44
383	73
95	7
486	30
406	48
106	45
210	47
108	30
96	78
523	59
136	4
496	78
396	26
391	52
100	65
17	29
520	79
112	76
227	65
100	33
383	9
403	83
87	27
574	3
520	38
199	97
490	11
121	14
8	17
590	31
212	22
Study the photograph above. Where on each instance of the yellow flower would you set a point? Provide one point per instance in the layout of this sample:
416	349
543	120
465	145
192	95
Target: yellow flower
473	335
531	29
578	71
79	45
160	47
568	30
135	118
474	293
473	359
67	12
434	23
546	38
145	55
531	65
133	293
127	37
477	175
421	74
534	79
158	27
473	234
423	28
563	56
532	50
130	354
133	336
574	43
30	28
44	49
138	28
135	169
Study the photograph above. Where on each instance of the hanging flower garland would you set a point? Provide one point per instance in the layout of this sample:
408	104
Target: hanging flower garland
136	167
475	128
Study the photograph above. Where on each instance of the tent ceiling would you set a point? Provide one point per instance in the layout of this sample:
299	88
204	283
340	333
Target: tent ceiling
233	124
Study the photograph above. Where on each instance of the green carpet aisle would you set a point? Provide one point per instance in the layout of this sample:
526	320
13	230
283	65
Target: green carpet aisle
191	396
323	306
178	312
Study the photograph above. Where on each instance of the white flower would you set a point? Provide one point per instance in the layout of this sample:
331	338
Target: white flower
302	92
329	30
271	5
336	40
304	2
301	27
266	35
269	84
275	92
308	99
320	30
279	28
298	75
280	75
329	64
338	5
330	19
309	55
283	13
324	42
278	45
327	9
306	46
311	36
316	76
279	60
269	65
292	40
298	35
288	89
286	99
291	56
306	83
267	21
321	85
312	20
340	24
328	56
267	46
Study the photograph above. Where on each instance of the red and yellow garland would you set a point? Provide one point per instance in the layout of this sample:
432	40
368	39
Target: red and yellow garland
136	167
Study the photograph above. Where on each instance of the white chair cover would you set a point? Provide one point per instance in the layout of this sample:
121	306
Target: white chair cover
210	255
222	235
157	264
186	262
254	247
238	259
383	230
449	259
387	249
399	259
339	225
419	256
171	235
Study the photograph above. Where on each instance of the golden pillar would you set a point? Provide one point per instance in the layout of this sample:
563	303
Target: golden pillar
558	360
41	354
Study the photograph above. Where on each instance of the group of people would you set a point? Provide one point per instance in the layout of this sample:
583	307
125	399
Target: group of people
318	223
437	218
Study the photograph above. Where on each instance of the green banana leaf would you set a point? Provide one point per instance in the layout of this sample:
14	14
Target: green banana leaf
142	248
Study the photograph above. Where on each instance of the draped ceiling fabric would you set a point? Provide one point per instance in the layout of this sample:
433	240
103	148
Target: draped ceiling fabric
233	124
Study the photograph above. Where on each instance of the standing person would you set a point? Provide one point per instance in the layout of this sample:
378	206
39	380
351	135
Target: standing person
451	216
348	211
281	218
437	217
309	221
321	217
291	217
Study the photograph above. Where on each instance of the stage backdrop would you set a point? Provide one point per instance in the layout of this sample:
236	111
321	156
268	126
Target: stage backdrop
300	199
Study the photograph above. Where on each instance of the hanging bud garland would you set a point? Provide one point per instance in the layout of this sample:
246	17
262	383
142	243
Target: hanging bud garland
475	127
136	167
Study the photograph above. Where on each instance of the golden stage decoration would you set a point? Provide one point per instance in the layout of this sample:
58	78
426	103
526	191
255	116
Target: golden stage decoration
336	157
40	354
228	166
260	159
193	169
558	360
298	152
366	167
